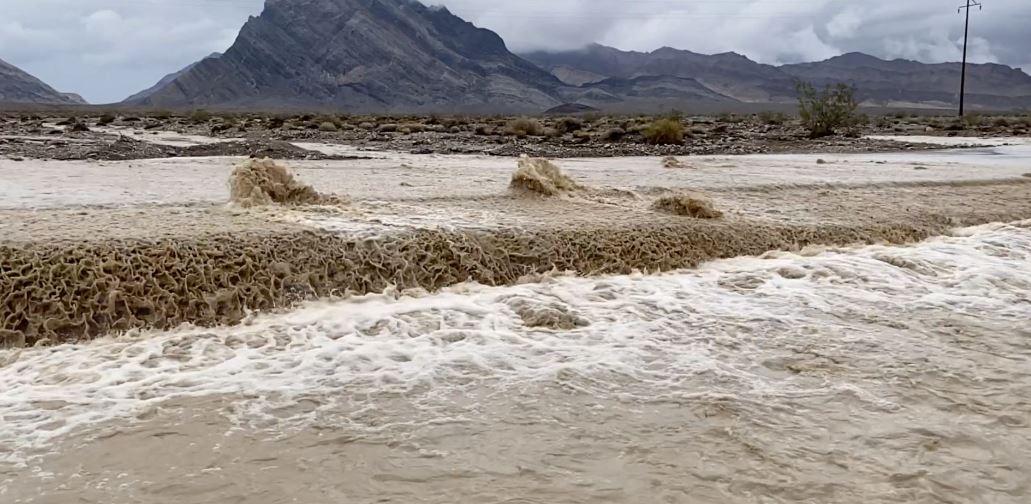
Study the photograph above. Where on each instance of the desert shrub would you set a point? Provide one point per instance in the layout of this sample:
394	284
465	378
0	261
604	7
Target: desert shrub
162	114
414	127
275	122
328	127
524	127
568	124
200	116
105	119
1001	122
665	132
824	112
387	128
480	129
613	135
973	120
772	118
730	118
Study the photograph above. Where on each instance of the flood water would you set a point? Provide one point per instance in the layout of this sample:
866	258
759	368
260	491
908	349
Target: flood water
874	374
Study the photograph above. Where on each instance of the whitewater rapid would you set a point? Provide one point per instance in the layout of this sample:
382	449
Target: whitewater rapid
873	374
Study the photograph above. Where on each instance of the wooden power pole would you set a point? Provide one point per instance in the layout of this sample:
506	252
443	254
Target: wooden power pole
966	33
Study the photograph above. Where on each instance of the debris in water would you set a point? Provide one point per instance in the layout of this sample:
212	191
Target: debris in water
688	204
546	315
540	176
259	182
672	162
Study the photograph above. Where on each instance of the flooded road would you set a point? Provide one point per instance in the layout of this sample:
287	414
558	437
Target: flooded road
874	374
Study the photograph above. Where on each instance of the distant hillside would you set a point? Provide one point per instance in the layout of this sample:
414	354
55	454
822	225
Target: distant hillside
166	80
17	86
877	81
728	74
904	81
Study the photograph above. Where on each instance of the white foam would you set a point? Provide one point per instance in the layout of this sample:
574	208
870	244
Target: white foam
713	330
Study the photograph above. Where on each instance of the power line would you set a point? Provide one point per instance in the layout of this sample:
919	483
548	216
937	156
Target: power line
966	34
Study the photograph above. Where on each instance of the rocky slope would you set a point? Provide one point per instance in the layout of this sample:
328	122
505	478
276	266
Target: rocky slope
166	80
361	55
17	86
728	74
877	81
911	82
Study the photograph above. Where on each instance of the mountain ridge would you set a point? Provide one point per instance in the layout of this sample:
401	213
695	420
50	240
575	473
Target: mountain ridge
361	54
877	81
403	56
18	86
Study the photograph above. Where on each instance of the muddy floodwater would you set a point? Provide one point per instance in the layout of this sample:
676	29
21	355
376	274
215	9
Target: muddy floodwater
845	375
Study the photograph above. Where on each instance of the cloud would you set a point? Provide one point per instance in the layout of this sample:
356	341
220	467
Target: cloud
109	49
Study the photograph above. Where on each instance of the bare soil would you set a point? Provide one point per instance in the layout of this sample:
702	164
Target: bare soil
60	136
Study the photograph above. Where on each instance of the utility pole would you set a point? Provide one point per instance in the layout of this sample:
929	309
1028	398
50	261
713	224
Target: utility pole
966	33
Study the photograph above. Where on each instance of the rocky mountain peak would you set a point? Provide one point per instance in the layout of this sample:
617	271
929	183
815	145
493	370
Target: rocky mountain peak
18	86
362	55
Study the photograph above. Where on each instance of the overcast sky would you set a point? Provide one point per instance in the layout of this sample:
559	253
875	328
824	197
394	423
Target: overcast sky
109	49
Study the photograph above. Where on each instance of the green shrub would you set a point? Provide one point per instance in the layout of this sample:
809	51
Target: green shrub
105	119
664	132
524	127
200	116
973	120
824	112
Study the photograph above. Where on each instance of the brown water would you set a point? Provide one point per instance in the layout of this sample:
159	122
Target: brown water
879	374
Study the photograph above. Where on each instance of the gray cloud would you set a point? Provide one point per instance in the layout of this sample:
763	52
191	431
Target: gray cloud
108	49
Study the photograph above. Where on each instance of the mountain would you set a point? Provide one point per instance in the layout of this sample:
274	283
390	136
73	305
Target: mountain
727	74
166	80
17	86
402	56
911	82
361	55
877	82
644	92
